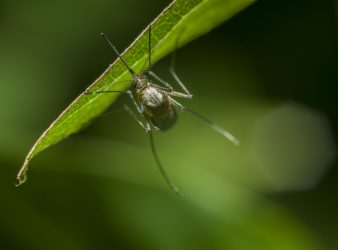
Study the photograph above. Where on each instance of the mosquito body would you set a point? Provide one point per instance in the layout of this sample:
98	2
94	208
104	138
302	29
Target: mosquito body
155	104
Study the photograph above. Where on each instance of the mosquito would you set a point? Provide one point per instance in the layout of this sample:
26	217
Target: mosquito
156	108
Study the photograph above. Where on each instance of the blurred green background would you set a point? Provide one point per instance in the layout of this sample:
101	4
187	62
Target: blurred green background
269	75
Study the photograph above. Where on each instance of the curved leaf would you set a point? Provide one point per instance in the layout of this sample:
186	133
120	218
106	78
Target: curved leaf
189	18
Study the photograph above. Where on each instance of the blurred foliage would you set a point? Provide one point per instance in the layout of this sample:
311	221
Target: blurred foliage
264	75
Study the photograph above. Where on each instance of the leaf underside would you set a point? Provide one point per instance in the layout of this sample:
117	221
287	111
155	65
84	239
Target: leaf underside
186	18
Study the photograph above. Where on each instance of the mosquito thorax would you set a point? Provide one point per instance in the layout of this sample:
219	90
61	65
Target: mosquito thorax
140	81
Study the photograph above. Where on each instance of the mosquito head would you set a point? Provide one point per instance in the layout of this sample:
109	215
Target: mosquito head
140	81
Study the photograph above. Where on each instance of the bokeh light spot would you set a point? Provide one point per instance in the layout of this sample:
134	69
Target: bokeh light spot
292	147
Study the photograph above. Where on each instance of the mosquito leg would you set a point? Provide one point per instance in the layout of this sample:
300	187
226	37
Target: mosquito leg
177	104
215	126
153	127
139	108
167	85
173	72
145	125
179	94
178	80
171	92
162	170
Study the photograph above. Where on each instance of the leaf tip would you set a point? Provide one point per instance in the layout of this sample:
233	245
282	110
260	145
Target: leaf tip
236	142
21	178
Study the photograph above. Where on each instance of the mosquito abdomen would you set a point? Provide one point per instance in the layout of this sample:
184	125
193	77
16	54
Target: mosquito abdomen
165	122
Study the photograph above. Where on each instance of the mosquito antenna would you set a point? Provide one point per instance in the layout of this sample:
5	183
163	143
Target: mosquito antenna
149	50
215	126
117	53
163	172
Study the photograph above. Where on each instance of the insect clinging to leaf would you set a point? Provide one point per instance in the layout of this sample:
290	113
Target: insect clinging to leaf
155	104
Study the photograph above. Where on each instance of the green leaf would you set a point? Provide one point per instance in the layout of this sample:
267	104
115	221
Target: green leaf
186	18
